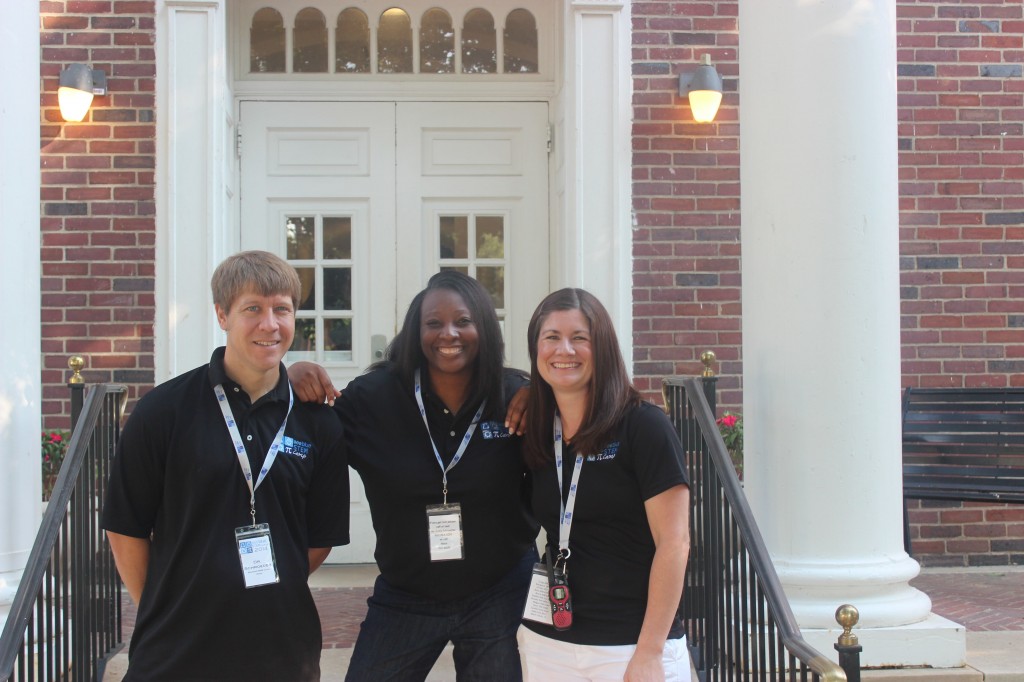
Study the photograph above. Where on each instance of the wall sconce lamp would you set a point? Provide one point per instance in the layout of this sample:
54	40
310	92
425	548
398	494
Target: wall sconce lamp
78	85
703	87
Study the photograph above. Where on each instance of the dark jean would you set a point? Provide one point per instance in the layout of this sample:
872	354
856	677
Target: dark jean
404	634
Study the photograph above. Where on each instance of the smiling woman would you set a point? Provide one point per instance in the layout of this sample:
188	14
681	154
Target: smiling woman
622	528
450	343
446	486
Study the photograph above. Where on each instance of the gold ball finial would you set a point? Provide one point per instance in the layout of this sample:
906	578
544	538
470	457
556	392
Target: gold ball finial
847	616
708	358
76	363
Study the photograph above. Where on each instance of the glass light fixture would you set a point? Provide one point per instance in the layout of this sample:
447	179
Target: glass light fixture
703	88
78	85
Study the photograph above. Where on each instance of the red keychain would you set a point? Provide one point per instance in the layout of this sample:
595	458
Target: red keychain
558	592
561	605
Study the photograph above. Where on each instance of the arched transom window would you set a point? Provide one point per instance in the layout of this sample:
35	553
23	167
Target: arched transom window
459	38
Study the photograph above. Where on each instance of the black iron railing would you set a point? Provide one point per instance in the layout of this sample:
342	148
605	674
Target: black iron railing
739	622
65	620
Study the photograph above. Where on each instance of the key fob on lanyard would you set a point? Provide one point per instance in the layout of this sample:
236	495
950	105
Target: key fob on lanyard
558	590
561	602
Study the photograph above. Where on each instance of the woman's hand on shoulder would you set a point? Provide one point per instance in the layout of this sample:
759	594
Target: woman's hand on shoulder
515	417
311	383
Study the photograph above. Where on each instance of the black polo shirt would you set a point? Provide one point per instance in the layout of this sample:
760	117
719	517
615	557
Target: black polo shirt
388	445
610	540
176	476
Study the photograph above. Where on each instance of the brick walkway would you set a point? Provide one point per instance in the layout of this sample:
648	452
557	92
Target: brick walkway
341	611
982	601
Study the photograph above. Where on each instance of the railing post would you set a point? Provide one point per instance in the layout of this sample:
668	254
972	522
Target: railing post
709	380
848	646
76	384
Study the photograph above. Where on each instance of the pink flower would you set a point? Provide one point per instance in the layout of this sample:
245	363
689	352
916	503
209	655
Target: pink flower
728	421
55	437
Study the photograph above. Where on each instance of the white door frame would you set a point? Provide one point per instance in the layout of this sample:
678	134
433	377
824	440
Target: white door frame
196	224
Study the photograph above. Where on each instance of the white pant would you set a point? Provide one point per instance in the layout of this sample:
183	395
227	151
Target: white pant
549	660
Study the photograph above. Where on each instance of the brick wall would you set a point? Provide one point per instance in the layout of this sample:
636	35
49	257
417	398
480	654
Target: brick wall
961	146
98	230
686	199
962	204
961	142
946	533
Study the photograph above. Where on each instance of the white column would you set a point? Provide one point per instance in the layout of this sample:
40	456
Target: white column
20	396
194	231
821	334
593	243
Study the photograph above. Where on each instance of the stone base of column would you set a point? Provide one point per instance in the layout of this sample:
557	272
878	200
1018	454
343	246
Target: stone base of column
8	589
935	642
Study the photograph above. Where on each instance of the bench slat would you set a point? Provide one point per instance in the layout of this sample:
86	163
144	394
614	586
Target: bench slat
964	444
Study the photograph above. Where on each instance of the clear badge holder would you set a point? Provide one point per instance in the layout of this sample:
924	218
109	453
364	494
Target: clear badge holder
444	530
256	554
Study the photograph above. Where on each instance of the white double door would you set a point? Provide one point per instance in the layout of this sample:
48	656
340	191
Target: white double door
368	199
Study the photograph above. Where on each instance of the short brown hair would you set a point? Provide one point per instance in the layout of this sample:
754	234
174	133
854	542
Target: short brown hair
260	271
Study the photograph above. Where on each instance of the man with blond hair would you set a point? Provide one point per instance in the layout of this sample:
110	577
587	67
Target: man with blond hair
225	494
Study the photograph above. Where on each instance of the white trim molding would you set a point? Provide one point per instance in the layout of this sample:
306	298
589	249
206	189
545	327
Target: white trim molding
594	248
193	234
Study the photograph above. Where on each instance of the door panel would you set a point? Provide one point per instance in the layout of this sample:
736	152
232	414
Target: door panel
318	188
484	166
318	183
368	199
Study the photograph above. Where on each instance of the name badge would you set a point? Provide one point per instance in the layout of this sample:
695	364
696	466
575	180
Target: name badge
538	604
256	553
444	531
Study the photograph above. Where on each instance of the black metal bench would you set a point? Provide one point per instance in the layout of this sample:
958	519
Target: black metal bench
962	444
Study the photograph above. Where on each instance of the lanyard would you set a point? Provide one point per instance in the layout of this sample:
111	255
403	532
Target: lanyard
565	508
243	458
462	446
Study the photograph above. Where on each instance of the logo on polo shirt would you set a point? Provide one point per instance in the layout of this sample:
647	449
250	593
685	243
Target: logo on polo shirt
608	453
298	448
492	430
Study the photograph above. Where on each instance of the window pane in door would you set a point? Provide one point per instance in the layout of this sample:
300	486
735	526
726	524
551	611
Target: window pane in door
309	42
319	247
493	279
352	42
337	288
304	343
338	339
337	238
307	300
454	236
394	42
490	237
300	236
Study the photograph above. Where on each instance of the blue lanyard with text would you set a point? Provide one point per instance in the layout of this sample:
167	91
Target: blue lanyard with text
462	446
243	458
565	508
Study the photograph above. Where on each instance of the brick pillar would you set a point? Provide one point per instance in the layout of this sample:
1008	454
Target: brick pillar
98	209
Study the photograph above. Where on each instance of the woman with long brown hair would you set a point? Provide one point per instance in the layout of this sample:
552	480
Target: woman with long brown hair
610	490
